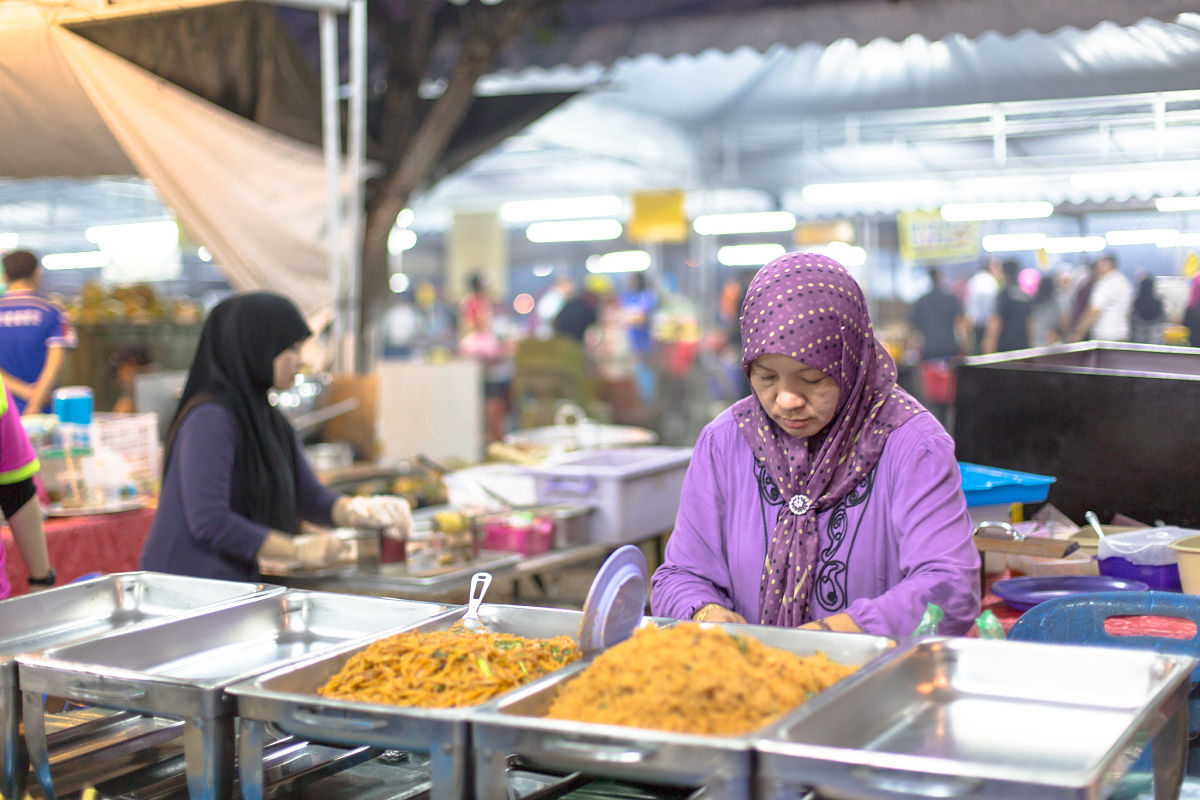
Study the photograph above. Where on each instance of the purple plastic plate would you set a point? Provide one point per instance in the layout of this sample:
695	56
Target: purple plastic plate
615	601
1025	593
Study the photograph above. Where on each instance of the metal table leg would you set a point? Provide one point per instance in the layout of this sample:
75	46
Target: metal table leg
208	752
35	739
250	758
16	760
450	782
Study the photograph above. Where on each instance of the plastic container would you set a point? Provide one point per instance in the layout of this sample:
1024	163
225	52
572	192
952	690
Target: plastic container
635	490
988	486
1084	564
73	405
519	533
1144	555
1188	551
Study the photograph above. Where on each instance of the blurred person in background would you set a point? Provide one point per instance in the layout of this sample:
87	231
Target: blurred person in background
637	303
237	484
1010	325
127	363
582	309
828	499
1046	312
1191	314
550	303
33	335
18	499
478	340
1148	314
939	330
980	299
1109	303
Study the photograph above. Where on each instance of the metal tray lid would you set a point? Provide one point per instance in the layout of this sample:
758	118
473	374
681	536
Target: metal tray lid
121	600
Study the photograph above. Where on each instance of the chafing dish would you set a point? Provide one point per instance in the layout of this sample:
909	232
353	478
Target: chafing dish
287	699
180	667
80	610
515	726
986	720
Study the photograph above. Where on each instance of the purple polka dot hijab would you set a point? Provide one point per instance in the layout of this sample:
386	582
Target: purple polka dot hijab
807	307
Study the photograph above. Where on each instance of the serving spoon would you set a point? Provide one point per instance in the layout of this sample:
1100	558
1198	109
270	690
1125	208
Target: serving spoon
480	582
1094	521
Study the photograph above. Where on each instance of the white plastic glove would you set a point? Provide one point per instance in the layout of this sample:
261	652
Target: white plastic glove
318	550
381	511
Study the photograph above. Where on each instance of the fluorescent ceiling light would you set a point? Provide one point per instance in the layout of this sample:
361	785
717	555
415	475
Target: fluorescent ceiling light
400	239
543	270
973	212
88	259
398	282
562	208
1161	203
1074	244
204	254
750	222
619	261
582	230
1180	240
1187	172
404	219
9	241
1147	236
159	233
848	255
748	255
1009	242
871	191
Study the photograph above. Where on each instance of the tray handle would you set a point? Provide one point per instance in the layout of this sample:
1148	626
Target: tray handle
102	694
339	723
917	784
610	754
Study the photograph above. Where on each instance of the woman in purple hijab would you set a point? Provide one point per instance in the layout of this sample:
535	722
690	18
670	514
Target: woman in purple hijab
828	498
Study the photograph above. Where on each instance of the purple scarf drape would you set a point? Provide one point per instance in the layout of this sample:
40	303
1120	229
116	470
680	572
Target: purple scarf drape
807	307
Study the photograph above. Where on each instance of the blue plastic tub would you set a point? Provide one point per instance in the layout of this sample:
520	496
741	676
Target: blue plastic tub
985	486
1160	577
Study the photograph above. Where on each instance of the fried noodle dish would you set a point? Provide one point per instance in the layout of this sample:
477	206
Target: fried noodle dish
446	669
693	679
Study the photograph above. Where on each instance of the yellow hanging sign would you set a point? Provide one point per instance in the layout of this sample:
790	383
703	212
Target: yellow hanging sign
658	217
925	236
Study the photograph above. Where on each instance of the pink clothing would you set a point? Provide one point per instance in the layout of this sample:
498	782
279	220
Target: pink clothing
18	460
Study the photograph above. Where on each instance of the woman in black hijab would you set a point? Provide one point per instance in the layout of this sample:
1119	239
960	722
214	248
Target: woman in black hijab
236	483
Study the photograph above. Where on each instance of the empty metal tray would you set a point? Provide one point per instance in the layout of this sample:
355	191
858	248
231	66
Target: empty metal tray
986	720
32	622
287	698
515	725
180	667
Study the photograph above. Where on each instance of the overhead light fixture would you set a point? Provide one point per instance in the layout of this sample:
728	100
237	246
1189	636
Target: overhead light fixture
1074	244
871	191
977	212
1161	203
848	255
619	261
1179	240
748	255
398	282
749	222
88	259
1147	236
1148	177
579	230
561	208
400	239
1011	242
9	241
204	254
543	270
404	219
157	234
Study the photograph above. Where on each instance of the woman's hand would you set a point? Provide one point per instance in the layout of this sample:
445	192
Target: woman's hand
838	623
715	613
319	550
381	511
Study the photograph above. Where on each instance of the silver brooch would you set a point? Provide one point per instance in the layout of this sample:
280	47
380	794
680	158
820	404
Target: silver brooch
799	504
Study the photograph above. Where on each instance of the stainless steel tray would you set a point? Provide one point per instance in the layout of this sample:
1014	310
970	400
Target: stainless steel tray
80	610
394	578
179	667
515	725
988	720
287	699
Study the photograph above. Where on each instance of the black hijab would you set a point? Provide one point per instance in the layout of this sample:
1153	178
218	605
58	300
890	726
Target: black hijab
1147	305
234	366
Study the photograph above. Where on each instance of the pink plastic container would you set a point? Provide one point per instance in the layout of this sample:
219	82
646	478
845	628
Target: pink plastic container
519	536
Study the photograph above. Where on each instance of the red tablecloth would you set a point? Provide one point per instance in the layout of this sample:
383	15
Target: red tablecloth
79	545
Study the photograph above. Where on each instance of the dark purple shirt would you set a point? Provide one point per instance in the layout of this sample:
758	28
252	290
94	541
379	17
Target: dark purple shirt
196	530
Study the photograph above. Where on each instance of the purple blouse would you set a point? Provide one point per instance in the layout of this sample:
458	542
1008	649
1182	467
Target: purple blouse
902	539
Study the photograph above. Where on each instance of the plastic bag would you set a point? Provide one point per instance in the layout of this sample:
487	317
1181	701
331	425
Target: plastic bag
928	626
989	627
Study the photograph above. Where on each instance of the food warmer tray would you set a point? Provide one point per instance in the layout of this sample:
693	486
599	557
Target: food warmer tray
515	725
180	667
394	578
80	610
287	699
989	720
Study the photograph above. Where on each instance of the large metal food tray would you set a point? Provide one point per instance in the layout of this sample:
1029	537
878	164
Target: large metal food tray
80	610
287	698
515	725
180	667
985	720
